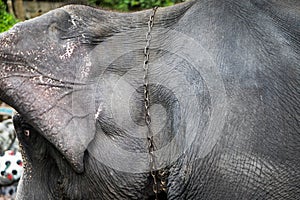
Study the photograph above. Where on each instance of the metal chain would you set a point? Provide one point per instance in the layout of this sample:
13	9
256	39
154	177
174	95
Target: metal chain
159	177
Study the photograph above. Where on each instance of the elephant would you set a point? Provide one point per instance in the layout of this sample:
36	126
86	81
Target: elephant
223	80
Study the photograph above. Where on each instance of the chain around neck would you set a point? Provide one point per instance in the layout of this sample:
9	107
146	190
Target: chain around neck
159	177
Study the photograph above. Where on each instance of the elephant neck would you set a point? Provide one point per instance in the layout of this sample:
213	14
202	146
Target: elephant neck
159	176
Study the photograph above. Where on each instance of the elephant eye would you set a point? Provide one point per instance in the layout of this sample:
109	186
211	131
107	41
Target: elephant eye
26	133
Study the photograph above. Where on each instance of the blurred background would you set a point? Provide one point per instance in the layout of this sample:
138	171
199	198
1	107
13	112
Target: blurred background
12	12
11	165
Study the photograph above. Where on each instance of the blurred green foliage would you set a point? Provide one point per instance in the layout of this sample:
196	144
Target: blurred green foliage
126	5
6	19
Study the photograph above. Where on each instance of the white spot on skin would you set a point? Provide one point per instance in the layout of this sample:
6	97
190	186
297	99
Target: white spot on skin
70	47
9	40
86	69
41	79
89	64
98	111
111	173
73	22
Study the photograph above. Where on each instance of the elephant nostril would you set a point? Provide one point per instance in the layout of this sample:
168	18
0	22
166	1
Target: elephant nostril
14	172
2	173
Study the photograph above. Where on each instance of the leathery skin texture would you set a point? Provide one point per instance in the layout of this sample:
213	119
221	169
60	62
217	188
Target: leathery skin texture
224	83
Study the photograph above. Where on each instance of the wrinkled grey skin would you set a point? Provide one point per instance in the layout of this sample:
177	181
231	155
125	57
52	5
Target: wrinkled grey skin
237	61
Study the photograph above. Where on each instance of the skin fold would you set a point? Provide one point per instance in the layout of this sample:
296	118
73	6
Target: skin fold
224	90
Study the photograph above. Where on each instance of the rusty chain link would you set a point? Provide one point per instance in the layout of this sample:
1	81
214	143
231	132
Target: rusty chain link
159	177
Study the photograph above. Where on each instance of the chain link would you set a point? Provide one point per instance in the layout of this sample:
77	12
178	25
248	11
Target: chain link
159	177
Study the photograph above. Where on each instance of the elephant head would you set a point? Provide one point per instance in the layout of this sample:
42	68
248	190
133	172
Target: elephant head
220	102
